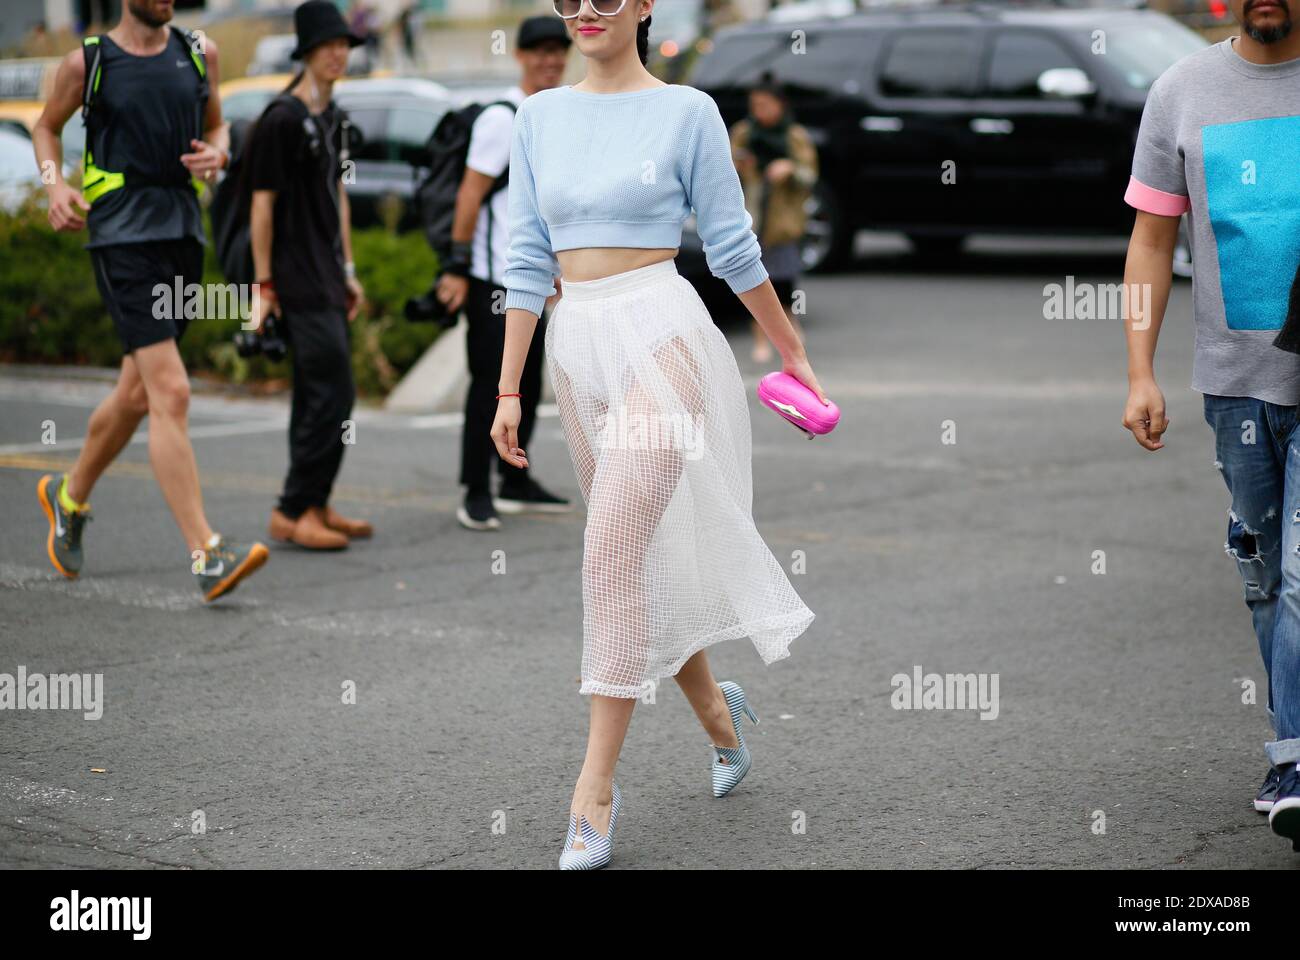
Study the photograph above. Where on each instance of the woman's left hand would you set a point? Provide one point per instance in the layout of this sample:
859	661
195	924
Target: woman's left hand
802	371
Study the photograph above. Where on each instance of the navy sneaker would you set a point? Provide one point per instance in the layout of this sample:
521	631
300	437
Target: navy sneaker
1268	792
1284	818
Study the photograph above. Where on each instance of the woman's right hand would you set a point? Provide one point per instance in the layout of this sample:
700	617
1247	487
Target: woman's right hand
505	432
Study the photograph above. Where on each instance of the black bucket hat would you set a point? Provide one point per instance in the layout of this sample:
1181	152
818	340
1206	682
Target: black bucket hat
317	21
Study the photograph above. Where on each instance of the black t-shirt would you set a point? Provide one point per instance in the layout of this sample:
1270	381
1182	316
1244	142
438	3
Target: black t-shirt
296	154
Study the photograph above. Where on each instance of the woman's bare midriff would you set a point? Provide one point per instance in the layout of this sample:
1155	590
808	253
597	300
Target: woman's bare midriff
593	263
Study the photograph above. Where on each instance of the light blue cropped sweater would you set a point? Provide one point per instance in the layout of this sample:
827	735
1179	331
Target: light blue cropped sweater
622	170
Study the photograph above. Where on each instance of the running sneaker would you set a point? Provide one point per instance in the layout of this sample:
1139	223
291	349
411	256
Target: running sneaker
63	545
226	563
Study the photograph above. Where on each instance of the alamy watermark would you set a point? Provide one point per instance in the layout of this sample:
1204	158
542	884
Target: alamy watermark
1098	301
946	691
53	691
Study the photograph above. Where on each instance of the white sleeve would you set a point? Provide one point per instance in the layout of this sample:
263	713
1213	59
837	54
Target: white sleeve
489	141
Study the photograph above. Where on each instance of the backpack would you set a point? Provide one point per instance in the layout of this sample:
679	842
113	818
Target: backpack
435	195
229	210
97	182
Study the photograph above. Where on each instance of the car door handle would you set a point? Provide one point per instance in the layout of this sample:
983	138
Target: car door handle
992	125
881	124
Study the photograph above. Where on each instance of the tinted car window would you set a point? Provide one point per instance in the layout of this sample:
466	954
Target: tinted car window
1139	51
930	63
830	63
1017	61
739	60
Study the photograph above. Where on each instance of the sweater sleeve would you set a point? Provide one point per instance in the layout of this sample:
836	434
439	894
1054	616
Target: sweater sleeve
713	190
531	265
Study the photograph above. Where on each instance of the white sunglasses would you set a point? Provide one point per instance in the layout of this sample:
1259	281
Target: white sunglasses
569	9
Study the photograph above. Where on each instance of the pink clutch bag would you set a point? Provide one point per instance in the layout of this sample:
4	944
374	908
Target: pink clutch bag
797	404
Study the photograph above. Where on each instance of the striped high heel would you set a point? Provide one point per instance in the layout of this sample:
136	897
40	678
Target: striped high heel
737	759
599	848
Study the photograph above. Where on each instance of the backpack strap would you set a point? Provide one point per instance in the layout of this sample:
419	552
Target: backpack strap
91	53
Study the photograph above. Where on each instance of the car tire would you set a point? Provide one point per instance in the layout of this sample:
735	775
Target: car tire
825	244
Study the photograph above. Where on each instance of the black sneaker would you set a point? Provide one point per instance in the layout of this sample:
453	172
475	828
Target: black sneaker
1284	818
529	496
1268	792
477	513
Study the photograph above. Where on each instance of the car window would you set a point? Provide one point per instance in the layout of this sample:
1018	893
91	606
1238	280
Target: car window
409	130
738	61
1139	51
373	124
930	63
830	63
1018	59
16	163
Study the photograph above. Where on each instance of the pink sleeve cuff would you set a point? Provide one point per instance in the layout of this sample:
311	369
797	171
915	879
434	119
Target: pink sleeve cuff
1155	201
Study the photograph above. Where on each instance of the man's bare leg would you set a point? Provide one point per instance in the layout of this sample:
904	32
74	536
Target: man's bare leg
167	387
111	427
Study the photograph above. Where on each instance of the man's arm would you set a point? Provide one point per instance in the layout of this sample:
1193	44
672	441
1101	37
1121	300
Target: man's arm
47	142
1148	276
212	153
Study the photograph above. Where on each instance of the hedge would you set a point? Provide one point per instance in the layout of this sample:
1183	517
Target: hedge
51	312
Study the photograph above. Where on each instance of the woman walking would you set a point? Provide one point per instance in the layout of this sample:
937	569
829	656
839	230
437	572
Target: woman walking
777	161
602	176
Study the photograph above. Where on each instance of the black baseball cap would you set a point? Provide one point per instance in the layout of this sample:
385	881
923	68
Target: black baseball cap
537	30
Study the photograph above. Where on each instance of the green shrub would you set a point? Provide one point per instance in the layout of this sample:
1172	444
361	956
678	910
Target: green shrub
51	312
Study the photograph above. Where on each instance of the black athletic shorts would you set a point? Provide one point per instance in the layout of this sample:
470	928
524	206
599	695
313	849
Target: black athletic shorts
128	276
784	291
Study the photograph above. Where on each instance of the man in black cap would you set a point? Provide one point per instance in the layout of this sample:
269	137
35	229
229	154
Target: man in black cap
472	278
302	257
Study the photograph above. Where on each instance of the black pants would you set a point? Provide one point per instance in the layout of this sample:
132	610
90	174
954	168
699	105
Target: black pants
323	392
485	342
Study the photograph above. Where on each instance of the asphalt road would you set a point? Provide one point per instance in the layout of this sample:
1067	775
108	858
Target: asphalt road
1120	694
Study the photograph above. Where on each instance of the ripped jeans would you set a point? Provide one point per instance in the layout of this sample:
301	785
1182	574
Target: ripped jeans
1256	450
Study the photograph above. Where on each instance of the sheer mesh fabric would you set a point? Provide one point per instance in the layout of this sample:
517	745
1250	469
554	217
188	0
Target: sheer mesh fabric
655	415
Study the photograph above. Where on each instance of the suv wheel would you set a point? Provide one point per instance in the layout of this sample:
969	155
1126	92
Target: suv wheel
823	245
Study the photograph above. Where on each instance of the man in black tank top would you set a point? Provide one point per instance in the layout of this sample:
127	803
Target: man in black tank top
154	135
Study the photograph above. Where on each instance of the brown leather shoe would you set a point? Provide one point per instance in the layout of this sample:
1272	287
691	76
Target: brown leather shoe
308	531
355	529
280	529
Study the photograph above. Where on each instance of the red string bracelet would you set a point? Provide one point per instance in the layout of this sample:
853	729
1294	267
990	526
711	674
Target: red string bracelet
519	395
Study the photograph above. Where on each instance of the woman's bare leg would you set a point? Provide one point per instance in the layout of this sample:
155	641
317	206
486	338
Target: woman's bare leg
593	796
706	699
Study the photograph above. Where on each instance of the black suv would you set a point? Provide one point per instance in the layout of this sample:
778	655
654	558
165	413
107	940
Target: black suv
1033	113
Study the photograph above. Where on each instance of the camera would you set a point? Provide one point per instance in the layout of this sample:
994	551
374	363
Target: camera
427	308
267	342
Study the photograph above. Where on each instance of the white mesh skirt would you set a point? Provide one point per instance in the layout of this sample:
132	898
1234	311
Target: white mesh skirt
655	415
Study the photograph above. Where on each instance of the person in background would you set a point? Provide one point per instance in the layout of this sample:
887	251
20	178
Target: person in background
1239	98
302	256
474	278
153	131
777	163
